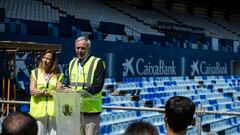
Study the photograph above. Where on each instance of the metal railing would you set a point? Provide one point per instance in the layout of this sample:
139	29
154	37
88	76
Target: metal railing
199	112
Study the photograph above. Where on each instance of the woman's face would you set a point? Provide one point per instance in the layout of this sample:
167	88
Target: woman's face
47	61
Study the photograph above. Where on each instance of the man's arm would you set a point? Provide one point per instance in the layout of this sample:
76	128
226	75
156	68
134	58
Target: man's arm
98	79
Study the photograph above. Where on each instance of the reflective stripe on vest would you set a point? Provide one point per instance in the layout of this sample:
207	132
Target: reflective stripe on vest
38	105
88	104
90	72
78	84
71	66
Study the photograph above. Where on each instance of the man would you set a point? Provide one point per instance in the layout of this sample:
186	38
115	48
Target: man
179	113
86	74
18	123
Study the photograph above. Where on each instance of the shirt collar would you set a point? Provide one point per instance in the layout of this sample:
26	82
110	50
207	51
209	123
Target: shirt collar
82	62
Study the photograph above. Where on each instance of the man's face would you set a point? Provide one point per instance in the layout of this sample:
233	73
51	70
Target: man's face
82	49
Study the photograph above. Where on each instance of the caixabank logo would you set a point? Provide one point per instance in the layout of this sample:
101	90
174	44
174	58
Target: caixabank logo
127	66
204	68
143	67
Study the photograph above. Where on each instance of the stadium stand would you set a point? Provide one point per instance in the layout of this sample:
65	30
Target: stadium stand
107	14
134	20
213	92
179	16
29	10
124	22
84	22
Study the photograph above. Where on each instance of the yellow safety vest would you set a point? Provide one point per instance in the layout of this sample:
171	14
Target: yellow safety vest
85	80
41	106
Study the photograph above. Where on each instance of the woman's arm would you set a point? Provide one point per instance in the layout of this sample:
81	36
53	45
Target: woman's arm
33	89
60	82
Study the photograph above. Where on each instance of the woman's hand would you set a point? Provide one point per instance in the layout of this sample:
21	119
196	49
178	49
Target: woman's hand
37	92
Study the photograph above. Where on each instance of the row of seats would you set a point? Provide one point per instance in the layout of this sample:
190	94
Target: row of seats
56	9
50	11
211	98
29	10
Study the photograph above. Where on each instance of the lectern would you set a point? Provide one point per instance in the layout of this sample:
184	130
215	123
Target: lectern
67	108
68	104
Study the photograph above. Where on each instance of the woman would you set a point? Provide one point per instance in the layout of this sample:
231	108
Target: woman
44	79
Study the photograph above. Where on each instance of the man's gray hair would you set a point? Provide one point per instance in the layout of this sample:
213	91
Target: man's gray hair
86	39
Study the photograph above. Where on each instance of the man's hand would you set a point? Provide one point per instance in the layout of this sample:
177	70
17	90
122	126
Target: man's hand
84	93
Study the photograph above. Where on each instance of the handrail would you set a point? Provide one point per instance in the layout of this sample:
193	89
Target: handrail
162	110
199	112
133	30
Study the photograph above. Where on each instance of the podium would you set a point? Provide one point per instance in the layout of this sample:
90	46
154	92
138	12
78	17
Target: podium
67	108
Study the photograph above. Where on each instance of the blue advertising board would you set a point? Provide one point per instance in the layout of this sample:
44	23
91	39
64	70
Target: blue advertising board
134	60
